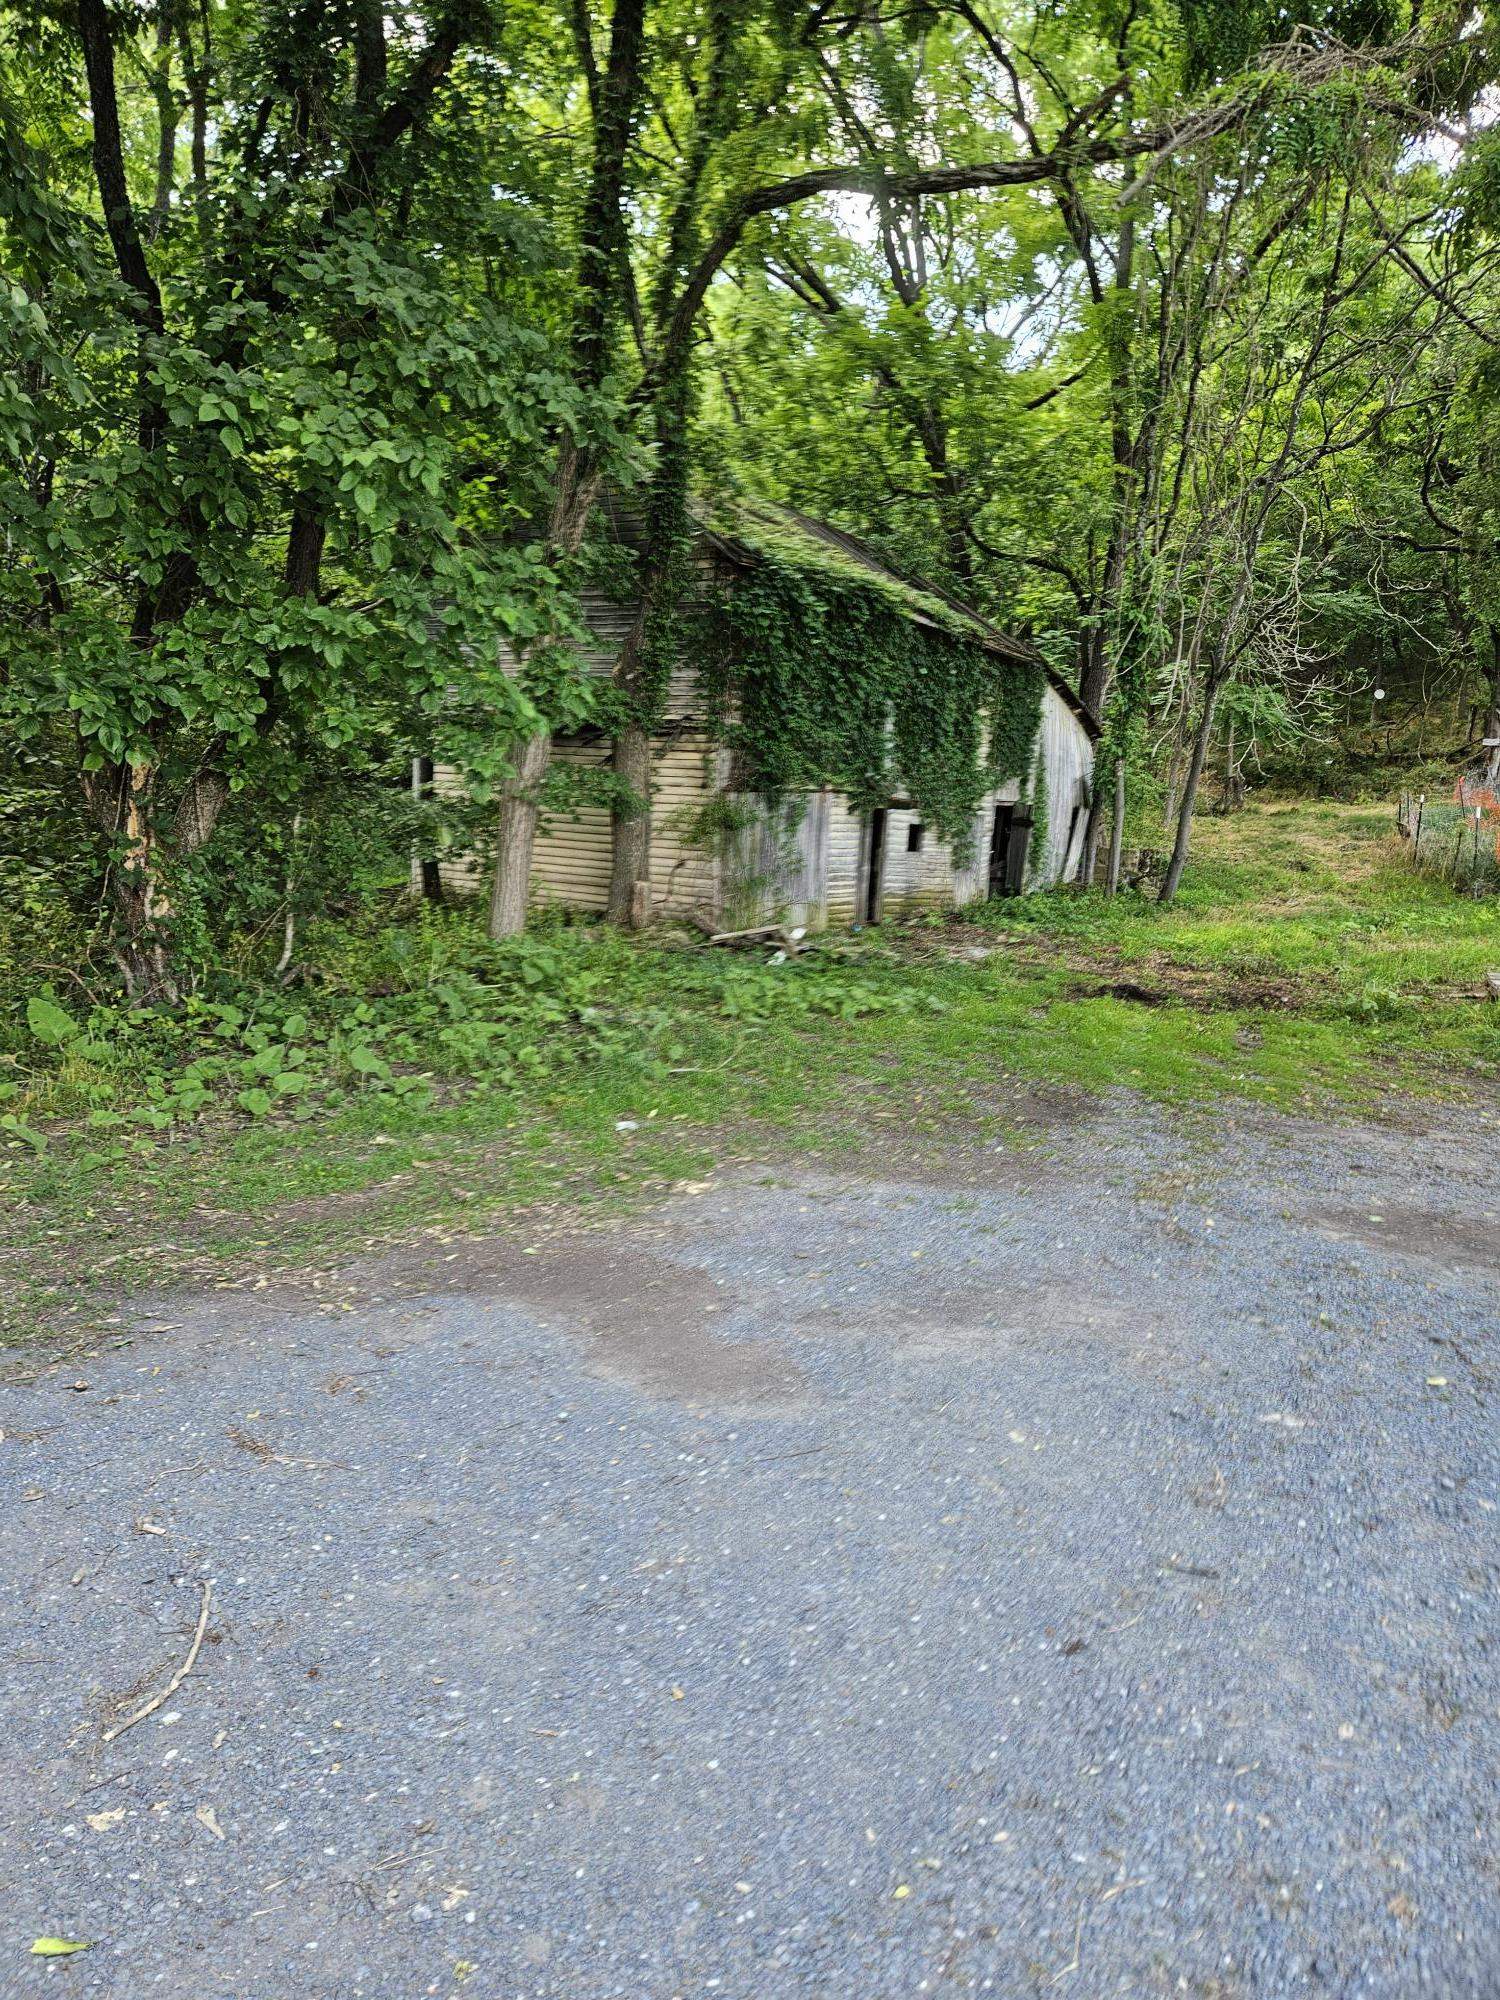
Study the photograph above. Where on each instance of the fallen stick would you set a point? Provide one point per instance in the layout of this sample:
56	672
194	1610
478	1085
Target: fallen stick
149	1707
756	934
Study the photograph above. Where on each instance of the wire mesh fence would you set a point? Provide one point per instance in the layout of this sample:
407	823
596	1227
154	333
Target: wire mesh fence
1455	838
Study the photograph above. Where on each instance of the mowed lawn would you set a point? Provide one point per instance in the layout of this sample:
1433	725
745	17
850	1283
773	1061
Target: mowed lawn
1304	966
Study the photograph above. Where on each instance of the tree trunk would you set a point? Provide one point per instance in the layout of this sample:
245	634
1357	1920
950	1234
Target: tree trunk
616	102
1098	671
1492	720
1190	795
120	802
143	914
1117	830
631	862
1089	858
195	75
515	837
166	124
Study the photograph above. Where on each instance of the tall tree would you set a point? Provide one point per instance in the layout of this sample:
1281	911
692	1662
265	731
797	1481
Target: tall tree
254	394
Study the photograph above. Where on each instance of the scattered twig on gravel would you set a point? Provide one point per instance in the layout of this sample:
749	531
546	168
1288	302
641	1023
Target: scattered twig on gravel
149	1707
259	1448
1119	1888
1075	1961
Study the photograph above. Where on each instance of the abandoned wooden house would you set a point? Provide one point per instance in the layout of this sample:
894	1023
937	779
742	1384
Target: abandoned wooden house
752	821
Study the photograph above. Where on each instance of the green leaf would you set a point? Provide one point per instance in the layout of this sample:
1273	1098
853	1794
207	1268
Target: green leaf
256	1102
50	1023
49	1947
367	1062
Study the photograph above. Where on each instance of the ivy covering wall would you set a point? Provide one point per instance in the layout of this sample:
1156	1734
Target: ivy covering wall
832	673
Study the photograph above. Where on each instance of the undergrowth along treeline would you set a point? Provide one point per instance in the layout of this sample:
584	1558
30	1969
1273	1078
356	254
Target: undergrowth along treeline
403	1014
1314	916
455	1081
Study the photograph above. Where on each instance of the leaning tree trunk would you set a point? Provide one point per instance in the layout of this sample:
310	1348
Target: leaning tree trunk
1190	794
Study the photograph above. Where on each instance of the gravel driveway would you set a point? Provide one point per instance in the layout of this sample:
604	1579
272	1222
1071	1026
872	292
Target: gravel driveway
1067	1570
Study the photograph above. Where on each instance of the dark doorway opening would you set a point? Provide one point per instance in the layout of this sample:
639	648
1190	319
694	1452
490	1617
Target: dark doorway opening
1008	844
874	866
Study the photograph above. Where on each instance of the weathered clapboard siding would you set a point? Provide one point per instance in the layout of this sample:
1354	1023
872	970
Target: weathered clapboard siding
846	841
1068	758
609	624
805	885
571	859
460	873
947	883
904	885
775	861
685	867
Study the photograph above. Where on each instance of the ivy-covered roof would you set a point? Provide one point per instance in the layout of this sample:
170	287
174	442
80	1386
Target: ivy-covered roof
752	532
749	531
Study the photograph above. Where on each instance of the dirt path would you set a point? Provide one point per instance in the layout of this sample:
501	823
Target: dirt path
953	1577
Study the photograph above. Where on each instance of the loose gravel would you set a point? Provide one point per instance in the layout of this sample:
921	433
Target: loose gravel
1066	1570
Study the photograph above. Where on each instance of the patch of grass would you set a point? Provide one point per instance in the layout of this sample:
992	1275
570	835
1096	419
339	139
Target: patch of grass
1323	896
439	1081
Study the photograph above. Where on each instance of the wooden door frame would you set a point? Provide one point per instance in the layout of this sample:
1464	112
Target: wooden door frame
872	865
1014	819
1000	818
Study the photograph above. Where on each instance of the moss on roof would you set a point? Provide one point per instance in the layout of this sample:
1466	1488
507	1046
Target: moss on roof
775	535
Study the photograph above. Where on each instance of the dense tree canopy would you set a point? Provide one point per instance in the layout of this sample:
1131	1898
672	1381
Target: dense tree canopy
1166	332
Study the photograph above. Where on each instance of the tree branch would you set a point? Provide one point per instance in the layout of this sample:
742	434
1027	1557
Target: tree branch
882	185
417	88
1040	402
